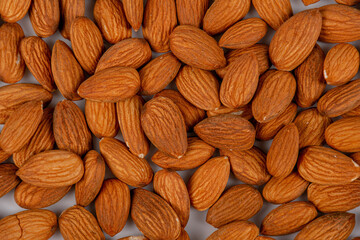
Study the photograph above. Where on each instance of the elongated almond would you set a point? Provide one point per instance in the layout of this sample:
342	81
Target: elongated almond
13	11
244	112
70	10
190	12
352	113
8	178
45	17
134	11
236	230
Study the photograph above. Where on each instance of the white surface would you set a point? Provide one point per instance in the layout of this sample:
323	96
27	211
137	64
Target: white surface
197	227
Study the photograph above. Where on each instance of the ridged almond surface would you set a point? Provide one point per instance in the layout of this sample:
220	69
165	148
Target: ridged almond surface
127	167
352	113
197	153
331	226
274	12
36	224
244	112
236	230
87	43
240	81
323	165
303	29
200	87
12	66
164	125
153	216
52	168
244	34
90	184
111	20
133	52
309	78
240	202
223	13
134	11
283	190
340	23
13	11
158	73
191	12
30	197
112	206
159	21
288	218
21	126
70	10
196	48
283	153
341	64
37	57
129	117
183	235
4	155
273	96
78	223
248	166
70	129
208	182
8	178
170	186
45	17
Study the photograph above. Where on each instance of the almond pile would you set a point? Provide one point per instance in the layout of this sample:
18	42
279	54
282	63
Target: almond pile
207	103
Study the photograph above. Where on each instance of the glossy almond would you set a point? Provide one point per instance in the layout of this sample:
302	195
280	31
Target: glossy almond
208	182
190	12
236	230
70	10
8	178
244	112
45	17
134	11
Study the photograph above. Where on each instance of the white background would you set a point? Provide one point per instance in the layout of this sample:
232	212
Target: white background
197	227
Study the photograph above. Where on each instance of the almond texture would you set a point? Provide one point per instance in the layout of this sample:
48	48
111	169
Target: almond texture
45	17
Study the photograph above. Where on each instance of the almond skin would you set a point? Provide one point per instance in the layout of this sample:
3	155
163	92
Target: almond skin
164	125
153	216
87	43
170	186
240	202
330	226
4	156
70	10
341	64
112	206
132	52
190	12
13	11
8	178
130	169
196	48
45	17
222	14
208	182
197	153
353	113
129	117
323	165
244	34
248	166
158	73
244	112
67	72
348	2
69	127
110	18
304	30
37	56
288	218
134	11
236	230
90	184
21	126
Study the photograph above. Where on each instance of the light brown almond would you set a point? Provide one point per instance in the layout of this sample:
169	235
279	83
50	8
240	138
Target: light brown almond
134	11
4	155
308	2
236	230
353	113
190	12
8	178
70	10
45	17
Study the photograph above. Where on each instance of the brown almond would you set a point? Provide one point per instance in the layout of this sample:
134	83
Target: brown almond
264	238
244	112
349	3
45	17
70	10
236	230
190	12
8	178
4	156
13	11
308	2
352	113
134	11
183	235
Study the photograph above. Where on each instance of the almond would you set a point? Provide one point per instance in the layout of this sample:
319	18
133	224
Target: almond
164	125
4	156
37	57
8	178
134	11
70	10
356	157
110	18
196	48
222	14
244	112
129	117
45	17
288	218
87	43
352	113
323	165
190	12
308	2
77	222
348	2
158	73
208	182
236	230
274	12
89	186
13	11
248	166
52	168
287	55
197	153
240	202
127	167
183	235
309	78
70	127
170	186
153	216
66	70
112	206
